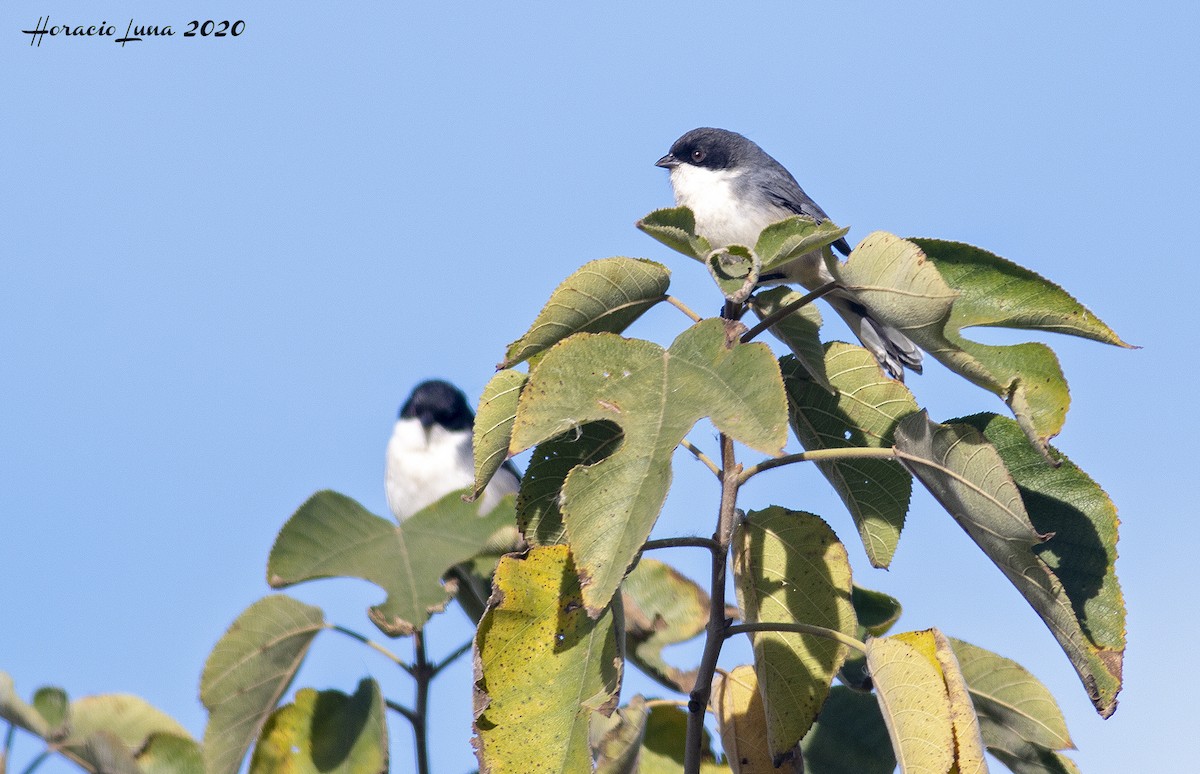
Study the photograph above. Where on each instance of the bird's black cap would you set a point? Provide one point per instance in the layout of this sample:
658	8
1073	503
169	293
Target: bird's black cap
436	402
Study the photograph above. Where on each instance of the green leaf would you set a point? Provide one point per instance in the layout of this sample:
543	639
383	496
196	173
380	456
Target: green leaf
248	671
968	745
543	666
793	237
1021	757
107	730
1065	502
331	535
656	396
849	737
735	270
862	412
933	293
663	744
789	567
325	732
662	607
676	228
1011	699
876	613
618	746
538	513
800	330
170	754
912	698
969	478
604	295
493	425
742	721
53	705
20	714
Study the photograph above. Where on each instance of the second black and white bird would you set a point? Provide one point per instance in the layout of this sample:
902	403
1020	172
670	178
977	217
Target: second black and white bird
735	190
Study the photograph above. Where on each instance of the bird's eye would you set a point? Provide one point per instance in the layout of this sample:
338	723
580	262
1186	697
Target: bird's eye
698	155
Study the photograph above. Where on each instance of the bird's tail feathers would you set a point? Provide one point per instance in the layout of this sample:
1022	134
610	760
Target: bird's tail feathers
891	348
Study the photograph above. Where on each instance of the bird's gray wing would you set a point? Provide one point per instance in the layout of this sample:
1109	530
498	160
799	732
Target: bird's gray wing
786	193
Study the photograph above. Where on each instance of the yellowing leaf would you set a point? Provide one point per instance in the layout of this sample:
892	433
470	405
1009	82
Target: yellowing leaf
742	721
968	745
543	666
325	732
912	697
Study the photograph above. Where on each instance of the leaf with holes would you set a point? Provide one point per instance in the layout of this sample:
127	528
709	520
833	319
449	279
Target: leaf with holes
539	515
862	412
542	667
655	396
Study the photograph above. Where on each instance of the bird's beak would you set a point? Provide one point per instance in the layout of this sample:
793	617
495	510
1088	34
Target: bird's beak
667	162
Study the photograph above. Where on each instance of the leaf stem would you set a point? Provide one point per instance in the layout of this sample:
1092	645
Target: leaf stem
682	542
675	302
816	455
787	309
700	455
374	645
798	628
718	623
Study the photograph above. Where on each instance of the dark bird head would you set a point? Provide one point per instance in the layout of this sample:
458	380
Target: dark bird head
436	402
711	149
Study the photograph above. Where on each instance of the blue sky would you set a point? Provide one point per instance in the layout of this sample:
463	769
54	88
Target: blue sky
225	263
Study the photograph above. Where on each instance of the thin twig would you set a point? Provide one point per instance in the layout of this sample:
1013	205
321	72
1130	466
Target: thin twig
43	755
675	302
797	628
372	644
405	711
785	310
682	542
700	455
448	660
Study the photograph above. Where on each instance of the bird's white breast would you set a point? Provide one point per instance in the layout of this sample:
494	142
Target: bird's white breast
421	470
722	217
